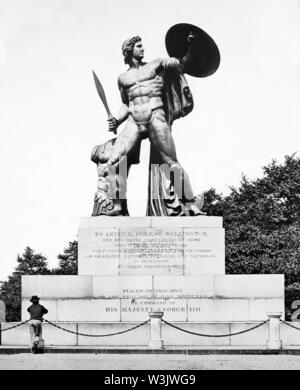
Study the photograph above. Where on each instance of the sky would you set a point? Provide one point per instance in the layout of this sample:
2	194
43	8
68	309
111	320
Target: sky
245	115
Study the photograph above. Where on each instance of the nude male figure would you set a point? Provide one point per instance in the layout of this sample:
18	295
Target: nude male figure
141	88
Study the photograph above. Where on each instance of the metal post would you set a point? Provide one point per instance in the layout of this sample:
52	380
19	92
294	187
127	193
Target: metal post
274	341
156	341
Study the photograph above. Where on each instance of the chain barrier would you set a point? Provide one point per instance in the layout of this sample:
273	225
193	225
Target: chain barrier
290	325
97	335
13	327
144	323
215	335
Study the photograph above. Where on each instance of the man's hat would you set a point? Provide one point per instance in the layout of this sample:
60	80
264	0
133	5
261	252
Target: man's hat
34	297
197	51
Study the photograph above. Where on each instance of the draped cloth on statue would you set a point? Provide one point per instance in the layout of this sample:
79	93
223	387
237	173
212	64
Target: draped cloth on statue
162	199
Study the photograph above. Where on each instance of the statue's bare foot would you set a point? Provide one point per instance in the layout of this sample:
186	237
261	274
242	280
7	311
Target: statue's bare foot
196	205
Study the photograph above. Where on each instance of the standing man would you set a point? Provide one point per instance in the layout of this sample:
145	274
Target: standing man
35	324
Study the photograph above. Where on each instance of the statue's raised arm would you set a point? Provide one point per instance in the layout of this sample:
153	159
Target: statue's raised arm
194	48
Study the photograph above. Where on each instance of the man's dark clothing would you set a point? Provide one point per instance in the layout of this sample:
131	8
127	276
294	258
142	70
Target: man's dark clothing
37	311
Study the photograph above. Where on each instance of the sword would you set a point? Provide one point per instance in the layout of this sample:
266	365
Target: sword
102	96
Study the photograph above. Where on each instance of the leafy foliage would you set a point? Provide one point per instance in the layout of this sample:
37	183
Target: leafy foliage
292	294
68	261
262	224
30	263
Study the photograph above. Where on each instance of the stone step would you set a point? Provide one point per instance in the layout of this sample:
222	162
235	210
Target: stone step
258	350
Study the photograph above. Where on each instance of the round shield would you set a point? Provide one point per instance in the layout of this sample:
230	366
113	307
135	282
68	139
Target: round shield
197	51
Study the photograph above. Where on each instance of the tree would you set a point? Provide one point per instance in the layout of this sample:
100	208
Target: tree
30	263
68	261
262	223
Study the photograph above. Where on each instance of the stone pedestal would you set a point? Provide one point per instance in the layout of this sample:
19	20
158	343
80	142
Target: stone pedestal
129	267
175	267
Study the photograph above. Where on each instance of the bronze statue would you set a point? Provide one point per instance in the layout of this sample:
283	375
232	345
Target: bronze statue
153	95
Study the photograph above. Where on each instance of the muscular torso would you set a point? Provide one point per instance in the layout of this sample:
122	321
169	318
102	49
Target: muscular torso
143	88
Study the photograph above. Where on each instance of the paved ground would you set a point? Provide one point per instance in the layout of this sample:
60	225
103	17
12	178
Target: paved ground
147	362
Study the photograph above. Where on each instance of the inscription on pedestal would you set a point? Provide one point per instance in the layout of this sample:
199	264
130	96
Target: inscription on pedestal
138	309
183	286
195	244
151	251
122	287
98	251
